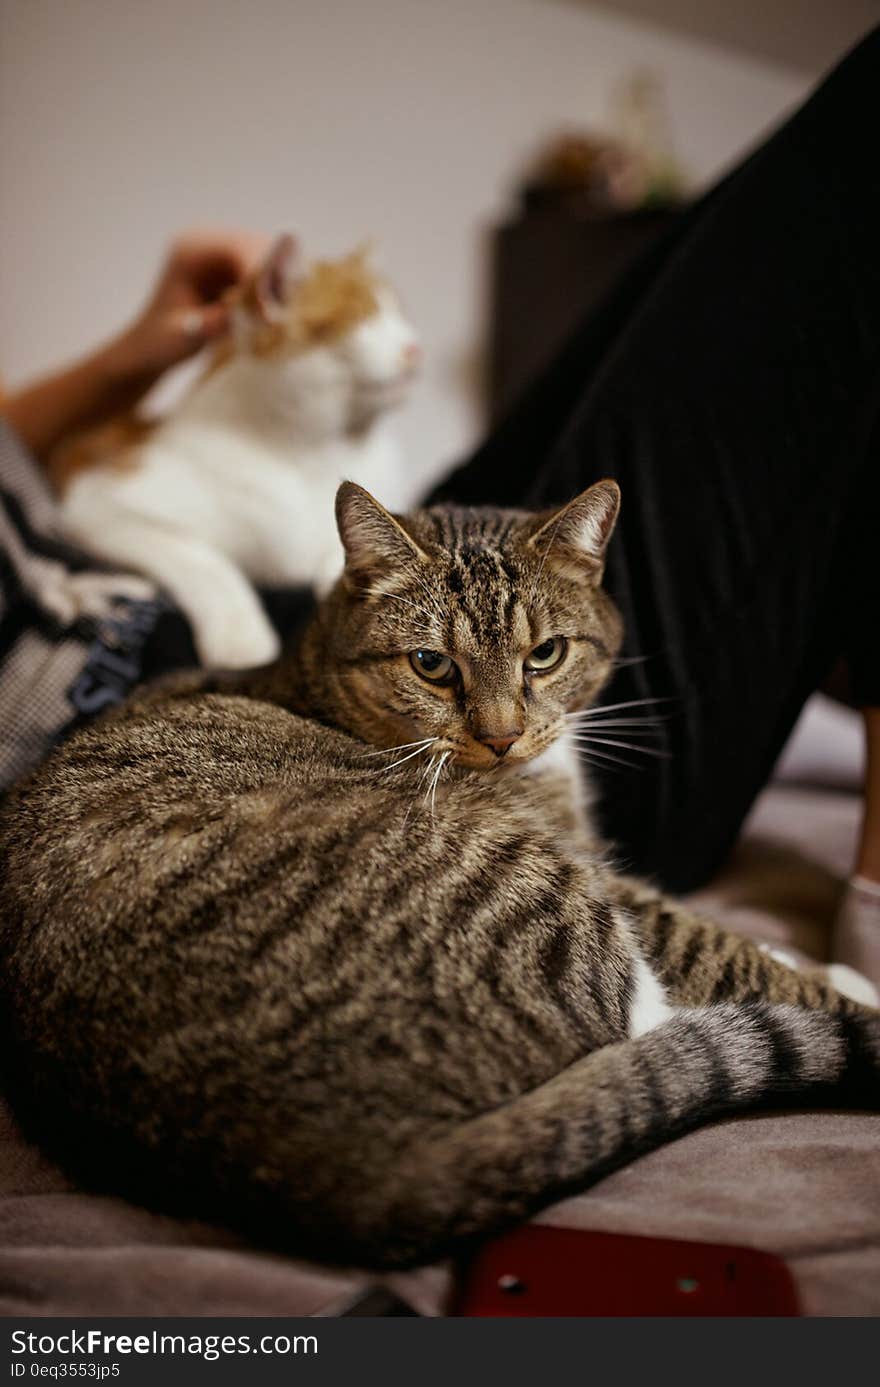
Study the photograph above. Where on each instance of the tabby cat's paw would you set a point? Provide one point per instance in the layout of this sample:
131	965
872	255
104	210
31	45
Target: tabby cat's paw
852	984
781	955
845	980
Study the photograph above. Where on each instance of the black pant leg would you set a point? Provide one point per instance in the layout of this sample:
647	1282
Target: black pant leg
733	392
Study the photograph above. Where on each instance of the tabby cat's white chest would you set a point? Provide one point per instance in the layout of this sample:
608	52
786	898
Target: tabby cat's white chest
649	1006
561	763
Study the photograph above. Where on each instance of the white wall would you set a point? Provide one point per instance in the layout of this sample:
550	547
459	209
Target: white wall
805	34
121	121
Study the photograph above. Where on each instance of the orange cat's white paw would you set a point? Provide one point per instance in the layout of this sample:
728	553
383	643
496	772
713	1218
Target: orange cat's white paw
231	644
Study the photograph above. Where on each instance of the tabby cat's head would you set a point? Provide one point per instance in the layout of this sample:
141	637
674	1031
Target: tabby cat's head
479	628
333	329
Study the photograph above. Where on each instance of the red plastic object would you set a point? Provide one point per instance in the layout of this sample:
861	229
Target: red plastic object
542	1271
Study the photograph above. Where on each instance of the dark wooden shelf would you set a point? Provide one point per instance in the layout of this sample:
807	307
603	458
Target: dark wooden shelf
549	267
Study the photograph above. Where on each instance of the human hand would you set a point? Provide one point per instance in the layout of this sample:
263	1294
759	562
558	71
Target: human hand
186	309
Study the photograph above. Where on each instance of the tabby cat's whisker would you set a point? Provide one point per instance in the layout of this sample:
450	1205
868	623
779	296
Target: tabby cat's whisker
592	754
647	725
639	719
441	762
409	756
404	746
648	734
613	707
627	746
432	598
407	601
425	771
425	777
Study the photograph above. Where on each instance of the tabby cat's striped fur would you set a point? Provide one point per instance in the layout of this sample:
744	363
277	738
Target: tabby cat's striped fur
368	1002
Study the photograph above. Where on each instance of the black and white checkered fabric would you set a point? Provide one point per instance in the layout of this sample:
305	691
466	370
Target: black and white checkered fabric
71	635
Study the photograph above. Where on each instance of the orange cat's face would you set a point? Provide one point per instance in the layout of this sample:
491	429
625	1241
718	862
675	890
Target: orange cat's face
336	319
327	346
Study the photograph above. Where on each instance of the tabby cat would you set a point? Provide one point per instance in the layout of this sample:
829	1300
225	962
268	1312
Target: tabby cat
330	953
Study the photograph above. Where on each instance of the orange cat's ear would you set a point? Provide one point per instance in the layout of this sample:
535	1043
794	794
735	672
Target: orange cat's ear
374	540
273	280
364	253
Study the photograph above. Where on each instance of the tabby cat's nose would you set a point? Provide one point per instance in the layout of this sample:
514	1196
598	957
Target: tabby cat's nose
500	745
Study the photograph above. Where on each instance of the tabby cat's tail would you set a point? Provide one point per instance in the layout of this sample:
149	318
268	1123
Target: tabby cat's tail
607	1108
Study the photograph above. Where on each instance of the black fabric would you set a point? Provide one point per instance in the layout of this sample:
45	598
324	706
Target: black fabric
731	384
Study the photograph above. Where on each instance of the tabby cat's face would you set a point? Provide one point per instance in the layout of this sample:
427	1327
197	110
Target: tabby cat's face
477	628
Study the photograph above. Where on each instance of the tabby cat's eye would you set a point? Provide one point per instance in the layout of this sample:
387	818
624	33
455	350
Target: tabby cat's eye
431	665
547	655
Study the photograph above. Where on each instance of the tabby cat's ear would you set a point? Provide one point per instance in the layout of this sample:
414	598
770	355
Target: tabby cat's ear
578	534
273	280
374	541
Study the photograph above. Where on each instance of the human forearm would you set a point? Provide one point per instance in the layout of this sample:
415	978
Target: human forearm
103	384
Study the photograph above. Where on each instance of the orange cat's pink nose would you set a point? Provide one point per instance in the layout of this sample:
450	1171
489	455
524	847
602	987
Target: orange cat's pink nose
411	355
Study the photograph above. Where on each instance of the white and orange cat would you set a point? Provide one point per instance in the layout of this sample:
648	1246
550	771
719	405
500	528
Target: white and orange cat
234	489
